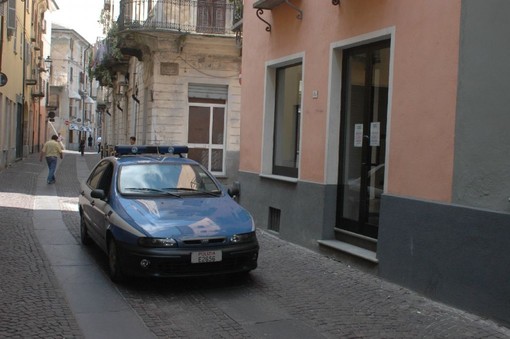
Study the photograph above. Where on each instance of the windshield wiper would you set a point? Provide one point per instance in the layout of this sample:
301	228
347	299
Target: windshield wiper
212	193
151	190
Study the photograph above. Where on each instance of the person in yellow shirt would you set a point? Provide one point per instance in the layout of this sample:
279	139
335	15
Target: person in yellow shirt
51	150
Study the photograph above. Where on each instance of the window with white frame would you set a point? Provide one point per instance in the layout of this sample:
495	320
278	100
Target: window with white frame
206	134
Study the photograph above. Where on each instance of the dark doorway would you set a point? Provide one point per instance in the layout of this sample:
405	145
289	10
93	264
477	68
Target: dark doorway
363	137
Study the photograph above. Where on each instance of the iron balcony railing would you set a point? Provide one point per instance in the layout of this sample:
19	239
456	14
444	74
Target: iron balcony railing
187	16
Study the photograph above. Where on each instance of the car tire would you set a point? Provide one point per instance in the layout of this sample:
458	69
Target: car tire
241	275
116	274
84	234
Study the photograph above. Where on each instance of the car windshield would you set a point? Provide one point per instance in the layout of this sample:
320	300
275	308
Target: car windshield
165	179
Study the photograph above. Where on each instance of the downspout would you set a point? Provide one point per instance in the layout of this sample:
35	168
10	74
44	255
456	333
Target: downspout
23	41
1	41
136	112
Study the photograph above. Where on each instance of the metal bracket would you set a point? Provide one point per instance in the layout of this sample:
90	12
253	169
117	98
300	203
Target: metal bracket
300	12
260	11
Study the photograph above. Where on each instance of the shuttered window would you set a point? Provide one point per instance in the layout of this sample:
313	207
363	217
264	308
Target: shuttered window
11	15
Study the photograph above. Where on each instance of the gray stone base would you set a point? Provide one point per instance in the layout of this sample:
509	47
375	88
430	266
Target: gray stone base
457	255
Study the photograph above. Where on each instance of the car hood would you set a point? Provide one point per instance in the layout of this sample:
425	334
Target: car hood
188	217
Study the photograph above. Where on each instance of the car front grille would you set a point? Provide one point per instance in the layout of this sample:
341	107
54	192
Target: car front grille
205	241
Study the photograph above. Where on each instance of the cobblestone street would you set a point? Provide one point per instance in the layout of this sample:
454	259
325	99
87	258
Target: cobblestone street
294	293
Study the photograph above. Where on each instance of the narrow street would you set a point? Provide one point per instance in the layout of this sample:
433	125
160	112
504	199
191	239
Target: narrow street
294	293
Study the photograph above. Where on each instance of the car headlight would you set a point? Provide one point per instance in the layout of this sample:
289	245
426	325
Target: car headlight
244	237
157	242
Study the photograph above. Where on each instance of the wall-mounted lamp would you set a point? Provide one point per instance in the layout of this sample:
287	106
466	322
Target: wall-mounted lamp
122	86
47	64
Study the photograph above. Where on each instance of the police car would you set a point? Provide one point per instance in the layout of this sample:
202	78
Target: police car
155	212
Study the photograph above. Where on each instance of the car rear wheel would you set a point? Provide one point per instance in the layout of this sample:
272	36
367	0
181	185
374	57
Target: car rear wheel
84	234
116	274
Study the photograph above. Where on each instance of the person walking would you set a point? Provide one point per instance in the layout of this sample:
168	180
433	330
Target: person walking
99	139
90	141
82	146
132	140
51	150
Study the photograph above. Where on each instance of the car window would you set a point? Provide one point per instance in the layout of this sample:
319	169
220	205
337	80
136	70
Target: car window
106	179
190	177
94	179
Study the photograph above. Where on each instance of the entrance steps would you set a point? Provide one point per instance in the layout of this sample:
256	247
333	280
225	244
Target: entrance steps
352	248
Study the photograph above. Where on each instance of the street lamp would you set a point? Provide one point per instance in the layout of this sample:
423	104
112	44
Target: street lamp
48	62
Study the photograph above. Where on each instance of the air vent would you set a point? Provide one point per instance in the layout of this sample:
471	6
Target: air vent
274	219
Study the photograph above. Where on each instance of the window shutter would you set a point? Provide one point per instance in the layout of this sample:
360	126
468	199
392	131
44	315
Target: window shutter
11	15
208	91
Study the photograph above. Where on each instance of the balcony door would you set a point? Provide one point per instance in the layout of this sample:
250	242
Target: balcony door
363	137
211	16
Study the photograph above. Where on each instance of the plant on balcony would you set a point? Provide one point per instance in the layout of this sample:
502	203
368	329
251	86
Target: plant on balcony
238	9
107	55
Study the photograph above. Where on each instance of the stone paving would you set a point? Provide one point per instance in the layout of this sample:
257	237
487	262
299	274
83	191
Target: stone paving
294	293
31	303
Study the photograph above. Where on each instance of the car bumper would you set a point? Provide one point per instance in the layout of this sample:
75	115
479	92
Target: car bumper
157	262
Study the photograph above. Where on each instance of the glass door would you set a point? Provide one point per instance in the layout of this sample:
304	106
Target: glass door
363	137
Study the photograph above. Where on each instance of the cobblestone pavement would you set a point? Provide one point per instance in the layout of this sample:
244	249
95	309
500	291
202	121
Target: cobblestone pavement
31	303
295	293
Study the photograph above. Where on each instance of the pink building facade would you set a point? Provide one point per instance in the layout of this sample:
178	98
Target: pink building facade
373	130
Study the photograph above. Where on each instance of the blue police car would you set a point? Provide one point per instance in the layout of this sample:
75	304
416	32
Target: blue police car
155	212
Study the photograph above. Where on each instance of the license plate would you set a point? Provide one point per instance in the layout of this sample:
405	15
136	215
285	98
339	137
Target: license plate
205	256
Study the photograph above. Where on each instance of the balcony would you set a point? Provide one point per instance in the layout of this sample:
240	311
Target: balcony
207	17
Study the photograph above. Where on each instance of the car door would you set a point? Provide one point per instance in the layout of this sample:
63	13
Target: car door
95	208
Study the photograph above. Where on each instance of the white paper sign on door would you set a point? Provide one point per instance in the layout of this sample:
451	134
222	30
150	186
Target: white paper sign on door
375	133
358	135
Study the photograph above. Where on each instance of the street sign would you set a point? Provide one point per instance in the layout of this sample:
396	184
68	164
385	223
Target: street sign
3	79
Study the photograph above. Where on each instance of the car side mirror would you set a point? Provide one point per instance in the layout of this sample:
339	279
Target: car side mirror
235	190
98	194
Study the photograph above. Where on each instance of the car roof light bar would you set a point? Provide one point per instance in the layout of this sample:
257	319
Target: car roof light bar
149	149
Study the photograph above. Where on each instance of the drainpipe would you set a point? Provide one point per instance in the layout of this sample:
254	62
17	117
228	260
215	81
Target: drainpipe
135	118
23	75
1	42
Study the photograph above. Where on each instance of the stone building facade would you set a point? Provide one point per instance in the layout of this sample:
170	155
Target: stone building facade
178	83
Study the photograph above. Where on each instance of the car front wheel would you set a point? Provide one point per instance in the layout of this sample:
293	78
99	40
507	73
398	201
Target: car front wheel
116	274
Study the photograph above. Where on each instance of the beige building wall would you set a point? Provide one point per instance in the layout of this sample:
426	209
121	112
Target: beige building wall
11	93
160	83
68	52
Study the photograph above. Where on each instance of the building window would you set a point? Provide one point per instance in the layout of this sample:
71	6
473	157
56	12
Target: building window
287	116
211	16
206	135
11	17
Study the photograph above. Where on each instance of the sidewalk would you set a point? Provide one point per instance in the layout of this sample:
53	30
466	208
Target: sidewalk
51	288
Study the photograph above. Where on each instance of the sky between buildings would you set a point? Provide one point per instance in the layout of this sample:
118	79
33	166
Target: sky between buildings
81	16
